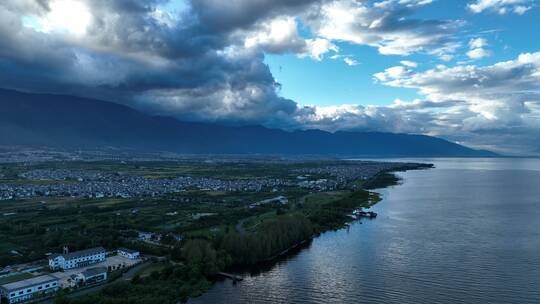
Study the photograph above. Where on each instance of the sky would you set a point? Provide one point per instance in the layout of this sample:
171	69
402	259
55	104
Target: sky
464	70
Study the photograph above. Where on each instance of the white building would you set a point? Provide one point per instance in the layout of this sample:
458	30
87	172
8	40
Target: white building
24	290
278	199
69	260
128	253
93	275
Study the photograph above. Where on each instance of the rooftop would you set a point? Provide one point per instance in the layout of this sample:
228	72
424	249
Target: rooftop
90	272
28	282
81	253
127	250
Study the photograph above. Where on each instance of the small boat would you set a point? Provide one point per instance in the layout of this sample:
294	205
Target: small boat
361	213
372	214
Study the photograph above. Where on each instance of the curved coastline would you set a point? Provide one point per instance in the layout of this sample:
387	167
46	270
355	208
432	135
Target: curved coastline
382	180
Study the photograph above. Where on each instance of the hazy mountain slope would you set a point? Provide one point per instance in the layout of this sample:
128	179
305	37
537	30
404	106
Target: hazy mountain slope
73	122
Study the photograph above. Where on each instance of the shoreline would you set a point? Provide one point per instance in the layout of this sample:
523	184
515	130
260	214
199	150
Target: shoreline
271	262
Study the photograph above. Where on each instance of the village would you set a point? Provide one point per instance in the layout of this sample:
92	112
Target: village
66	183
98	184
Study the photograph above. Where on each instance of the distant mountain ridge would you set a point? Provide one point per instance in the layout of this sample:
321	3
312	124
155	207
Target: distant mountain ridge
72	122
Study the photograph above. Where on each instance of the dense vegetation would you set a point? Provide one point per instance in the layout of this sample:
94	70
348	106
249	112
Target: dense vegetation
271	238
333	215
382	180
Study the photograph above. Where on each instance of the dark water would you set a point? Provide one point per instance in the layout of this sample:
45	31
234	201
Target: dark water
465	232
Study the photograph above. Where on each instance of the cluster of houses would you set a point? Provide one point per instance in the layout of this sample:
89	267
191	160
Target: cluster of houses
73	269
100	185
95	184
322	184
343	174
65	174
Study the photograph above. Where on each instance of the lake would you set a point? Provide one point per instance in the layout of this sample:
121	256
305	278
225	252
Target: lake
467	231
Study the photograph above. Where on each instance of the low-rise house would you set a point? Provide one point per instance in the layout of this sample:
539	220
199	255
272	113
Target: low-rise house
129	253
93	275
278	199
25	290
70	260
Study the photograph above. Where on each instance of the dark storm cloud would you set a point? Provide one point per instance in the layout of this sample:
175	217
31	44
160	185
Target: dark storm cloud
128	55
189	63
230	15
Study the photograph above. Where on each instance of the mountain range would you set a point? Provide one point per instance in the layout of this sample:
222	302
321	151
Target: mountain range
62	121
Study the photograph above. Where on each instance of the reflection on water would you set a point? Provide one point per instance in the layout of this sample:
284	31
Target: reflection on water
465	232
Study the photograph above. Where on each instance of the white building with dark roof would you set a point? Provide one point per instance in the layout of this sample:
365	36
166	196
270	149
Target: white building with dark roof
29	289
93	275
70	260
129	253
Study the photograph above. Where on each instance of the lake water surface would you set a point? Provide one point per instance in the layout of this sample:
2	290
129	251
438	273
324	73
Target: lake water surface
465	232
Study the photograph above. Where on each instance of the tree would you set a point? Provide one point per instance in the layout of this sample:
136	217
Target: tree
201	254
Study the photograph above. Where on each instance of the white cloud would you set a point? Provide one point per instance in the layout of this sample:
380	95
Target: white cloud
395	72
520	9
318	47
64	16
279	35
500	6
496	104
477	49
408	63
477	43
350	61
478	53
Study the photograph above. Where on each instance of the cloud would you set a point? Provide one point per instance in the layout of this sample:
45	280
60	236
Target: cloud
350	61
477	49
477	43
317	48
395	72
501	7
496	104
129	54
279	35
219	15
386	25
408	63
478	53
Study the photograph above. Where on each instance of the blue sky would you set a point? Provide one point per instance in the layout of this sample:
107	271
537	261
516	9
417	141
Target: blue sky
332	82
464	70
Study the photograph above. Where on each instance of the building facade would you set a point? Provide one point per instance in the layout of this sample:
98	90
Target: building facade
29	289
128	253
70	260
